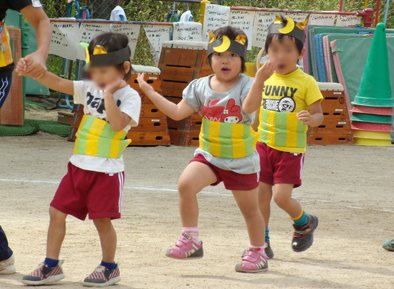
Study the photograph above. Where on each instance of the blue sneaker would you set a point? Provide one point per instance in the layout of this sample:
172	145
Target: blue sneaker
389	245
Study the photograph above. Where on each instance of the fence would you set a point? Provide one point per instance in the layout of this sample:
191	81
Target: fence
157	11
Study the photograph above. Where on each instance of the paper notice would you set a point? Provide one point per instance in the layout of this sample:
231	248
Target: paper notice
297	17
63	42
261	22
215	16
157	34
244	21
322	19
132	31
189	31
348	20
87	31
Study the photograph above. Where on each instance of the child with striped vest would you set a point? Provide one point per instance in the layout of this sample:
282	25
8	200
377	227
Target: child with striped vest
94	182
227	145
291	100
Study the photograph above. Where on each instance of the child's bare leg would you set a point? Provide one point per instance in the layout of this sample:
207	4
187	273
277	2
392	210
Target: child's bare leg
282	197
194	178
56	233
107	238
265	196
248	203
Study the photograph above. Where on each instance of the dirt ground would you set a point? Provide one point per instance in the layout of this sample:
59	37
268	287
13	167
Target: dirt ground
349	188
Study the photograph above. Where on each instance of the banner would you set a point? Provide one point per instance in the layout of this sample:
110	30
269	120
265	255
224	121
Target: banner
260	27
322	19
157	34
189	31
244	21
215	16
63	42
132	31
348	20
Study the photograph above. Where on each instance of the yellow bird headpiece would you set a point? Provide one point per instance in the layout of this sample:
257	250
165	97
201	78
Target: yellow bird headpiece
100	57
287	26
223	44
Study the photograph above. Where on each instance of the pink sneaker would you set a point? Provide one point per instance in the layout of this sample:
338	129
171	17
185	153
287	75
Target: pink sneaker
253	262
184	248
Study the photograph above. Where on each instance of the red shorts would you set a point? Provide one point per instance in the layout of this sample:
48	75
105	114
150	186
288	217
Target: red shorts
278	167
81	192
231	180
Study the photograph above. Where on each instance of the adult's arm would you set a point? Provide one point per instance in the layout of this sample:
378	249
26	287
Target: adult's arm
36	67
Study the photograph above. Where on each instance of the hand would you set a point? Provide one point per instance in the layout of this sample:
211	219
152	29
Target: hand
114	86
32	65
265	71
304	116
145	87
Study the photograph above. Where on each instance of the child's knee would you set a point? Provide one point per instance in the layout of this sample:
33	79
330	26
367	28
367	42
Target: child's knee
185	186
281	199
102	223
56	216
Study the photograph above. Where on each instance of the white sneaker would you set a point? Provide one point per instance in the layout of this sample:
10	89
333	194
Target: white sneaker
8	266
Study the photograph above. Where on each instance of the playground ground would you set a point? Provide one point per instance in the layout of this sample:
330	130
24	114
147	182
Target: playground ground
349	188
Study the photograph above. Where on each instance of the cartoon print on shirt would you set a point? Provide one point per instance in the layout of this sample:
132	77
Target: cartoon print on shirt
97	103
212	111
231	113
286	101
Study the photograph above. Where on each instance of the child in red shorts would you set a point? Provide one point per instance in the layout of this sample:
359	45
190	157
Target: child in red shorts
290	102
227	145
94	182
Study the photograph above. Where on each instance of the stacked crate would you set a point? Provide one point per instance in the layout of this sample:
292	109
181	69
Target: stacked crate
180	63
152	128
335	129
78	114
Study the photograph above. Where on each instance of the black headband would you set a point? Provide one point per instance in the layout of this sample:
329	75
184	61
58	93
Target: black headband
112	58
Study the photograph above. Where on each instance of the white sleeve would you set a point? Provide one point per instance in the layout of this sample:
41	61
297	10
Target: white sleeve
79	92
131	105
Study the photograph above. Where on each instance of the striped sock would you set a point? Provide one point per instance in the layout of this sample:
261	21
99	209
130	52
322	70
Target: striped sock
267	234
301	220
192	232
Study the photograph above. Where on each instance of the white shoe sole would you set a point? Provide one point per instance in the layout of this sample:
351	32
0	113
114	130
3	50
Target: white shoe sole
109	283
11	269
47	281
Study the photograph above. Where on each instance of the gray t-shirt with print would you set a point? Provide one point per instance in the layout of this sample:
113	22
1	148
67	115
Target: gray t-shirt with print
223	107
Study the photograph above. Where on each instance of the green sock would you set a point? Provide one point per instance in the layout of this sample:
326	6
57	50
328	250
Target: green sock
267	234
302	220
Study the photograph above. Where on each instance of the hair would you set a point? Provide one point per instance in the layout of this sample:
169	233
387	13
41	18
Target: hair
231	33
112	42
280	38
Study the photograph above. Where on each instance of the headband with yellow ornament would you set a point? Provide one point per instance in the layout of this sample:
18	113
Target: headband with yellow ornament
100	57
287	26
225	44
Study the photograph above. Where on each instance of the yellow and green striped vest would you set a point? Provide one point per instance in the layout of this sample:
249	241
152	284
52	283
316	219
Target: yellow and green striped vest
5	46
95	137
282	130
227	140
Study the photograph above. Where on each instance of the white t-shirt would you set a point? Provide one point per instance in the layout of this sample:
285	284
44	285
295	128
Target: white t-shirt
92	97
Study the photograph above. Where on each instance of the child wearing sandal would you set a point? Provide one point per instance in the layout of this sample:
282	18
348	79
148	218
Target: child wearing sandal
95	179
227	145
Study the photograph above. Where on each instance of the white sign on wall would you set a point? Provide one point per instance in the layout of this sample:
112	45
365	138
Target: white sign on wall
260	27
244	21
157	34
189	31
215	16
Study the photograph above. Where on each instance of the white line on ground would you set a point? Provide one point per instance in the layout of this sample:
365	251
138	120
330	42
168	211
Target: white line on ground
141	188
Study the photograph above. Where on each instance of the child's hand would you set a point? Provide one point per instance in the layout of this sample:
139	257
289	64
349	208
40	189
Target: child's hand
145	87
304	116
21	66
265	71
114	86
